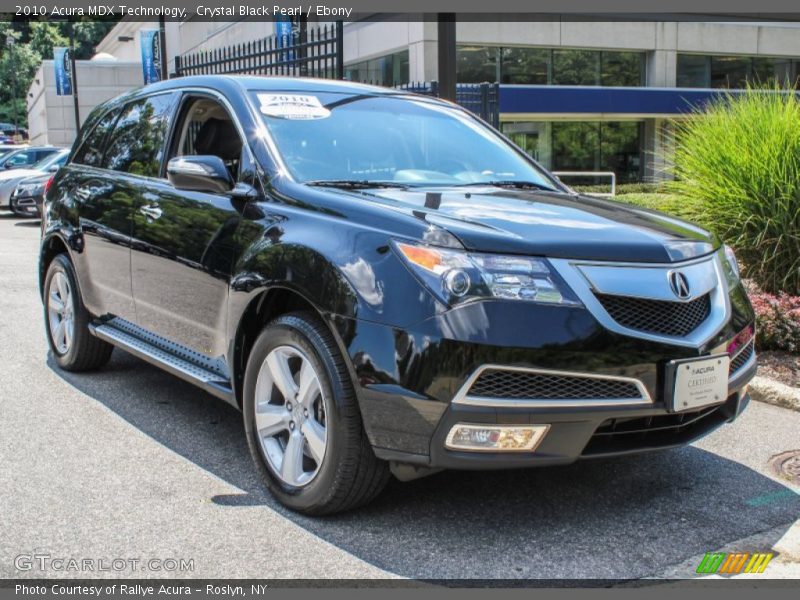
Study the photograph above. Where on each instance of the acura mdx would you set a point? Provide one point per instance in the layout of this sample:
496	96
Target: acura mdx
383	284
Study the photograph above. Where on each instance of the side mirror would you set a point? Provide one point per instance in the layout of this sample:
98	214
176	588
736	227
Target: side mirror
54	168
200	174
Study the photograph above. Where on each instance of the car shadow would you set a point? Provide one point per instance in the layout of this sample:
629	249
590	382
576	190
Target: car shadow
28	222
602	519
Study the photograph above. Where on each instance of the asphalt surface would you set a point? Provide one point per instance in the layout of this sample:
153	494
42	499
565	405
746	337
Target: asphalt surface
132	463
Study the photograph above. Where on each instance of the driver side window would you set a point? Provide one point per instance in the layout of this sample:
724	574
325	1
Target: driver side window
207	129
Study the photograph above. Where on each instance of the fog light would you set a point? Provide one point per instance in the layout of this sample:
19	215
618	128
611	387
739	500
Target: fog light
495	438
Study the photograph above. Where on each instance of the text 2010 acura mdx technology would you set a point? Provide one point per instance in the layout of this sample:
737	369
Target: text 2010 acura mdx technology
382	283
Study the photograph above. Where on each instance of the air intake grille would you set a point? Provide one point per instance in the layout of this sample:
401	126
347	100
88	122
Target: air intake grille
657	316
741	358
656	431
497	383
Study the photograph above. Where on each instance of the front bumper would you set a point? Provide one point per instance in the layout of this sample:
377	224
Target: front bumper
407	393
585	433
26	205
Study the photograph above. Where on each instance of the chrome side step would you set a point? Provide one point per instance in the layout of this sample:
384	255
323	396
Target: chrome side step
169	356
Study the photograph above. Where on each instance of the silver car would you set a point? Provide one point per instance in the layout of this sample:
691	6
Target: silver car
10	179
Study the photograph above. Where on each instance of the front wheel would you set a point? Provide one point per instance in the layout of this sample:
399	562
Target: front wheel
302	420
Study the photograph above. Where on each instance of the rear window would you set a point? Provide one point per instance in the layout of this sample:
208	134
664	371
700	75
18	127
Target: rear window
91	151
136	145
42	154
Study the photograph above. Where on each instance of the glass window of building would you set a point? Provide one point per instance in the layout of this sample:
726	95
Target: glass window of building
576	146
693	70
525	66
782	70
476	64
583	146
576	67
621	149
549	66
622	68
390	70
729	71
707	71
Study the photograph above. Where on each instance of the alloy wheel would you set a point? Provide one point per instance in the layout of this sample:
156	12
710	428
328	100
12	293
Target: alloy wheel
60	312
290	415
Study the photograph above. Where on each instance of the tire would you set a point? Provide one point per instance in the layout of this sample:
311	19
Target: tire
348	474
80	351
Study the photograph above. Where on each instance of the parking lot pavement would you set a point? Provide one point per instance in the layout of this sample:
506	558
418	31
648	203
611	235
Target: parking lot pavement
132	463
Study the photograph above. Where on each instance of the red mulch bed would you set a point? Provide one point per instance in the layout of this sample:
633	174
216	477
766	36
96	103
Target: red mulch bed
781	366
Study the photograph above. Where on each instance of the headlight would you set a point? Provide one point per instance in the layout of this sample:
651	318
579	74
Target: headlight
29	189
731	267
456	276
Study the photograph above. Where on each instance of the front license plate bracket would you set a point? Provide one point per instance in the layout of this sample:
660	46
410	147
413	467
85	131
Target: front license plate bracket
694	383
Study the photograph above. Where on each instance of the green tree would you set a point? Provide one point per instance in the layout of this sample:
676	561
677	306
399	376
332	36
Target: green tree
33	41
44	36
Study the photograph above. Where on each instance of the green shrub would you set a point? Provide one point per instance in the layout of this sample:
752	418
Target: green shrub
740	159
777	319
622	188
671	204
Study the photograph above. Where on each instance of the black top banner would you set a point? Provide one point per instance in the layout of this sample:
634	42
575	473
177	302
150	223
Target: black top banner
351	9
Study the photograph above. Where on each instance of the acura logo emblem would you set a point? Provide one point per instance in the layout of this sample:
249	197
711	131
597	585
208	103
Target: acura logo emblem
679	285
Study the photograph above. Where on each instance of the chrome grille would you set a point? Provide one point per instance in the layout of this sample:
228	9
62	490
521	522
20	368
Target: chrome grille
499	383
740	359
657	316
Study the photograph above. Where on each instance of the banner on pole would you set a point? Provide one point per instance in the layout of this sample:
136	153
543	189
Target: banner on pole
151	55
63	67
285	36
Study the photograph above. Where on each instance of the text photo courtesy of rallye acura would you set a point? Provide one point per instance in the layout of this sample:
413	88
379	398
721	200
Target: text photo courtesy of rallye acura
383	283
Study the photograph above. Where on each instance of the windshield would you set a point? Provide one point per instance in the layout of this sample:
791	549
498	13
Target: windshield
339	137
14	157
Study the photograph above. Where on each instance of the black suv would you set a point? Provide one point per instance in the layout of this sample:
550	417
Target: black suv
383	284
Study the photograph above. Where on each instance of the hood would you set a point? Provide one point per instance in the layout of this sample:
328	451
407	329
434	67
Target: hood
491	219
18	174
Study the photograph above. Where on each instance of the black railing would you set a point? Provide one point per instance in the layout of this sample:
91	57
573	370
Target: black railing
315	52
483	99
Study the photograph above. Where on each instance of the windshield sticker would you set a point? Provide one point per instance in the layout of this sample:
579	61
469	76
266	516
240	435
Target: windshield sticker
292	106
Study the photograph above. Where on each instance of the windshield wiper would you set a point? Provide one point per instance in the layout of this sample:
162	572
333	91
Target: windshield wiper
355	183
511	183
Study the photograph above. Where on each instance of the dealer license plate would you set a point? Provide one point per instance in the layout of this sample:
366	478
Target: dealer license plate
700	382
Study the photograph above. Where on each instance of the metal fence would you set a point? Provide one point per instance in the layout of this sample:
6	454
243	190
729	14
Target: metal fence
315	52
612	177
483	99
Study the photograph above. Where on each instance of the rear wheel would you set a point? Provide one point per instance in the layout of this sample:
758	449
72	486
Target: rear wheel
302	420
67	321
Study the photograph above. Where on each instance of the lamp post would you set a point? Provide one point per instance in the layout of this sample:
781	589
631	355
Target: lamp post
10	41
74	74
447	55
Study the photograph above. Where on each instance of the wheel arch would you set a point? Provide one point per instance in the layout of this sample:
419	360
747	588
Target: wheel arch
51	246
264	306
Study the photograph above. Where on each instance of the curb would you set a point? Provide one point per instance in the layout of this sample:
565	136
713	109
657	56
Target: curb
773	392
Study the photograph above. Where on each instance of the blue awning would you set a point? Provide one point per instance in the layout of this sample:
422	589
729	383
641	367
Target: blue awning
567	100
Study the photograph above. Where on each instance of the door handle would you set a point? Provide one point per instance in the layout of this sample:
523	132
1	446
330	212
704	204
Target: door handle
151	212
83	193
